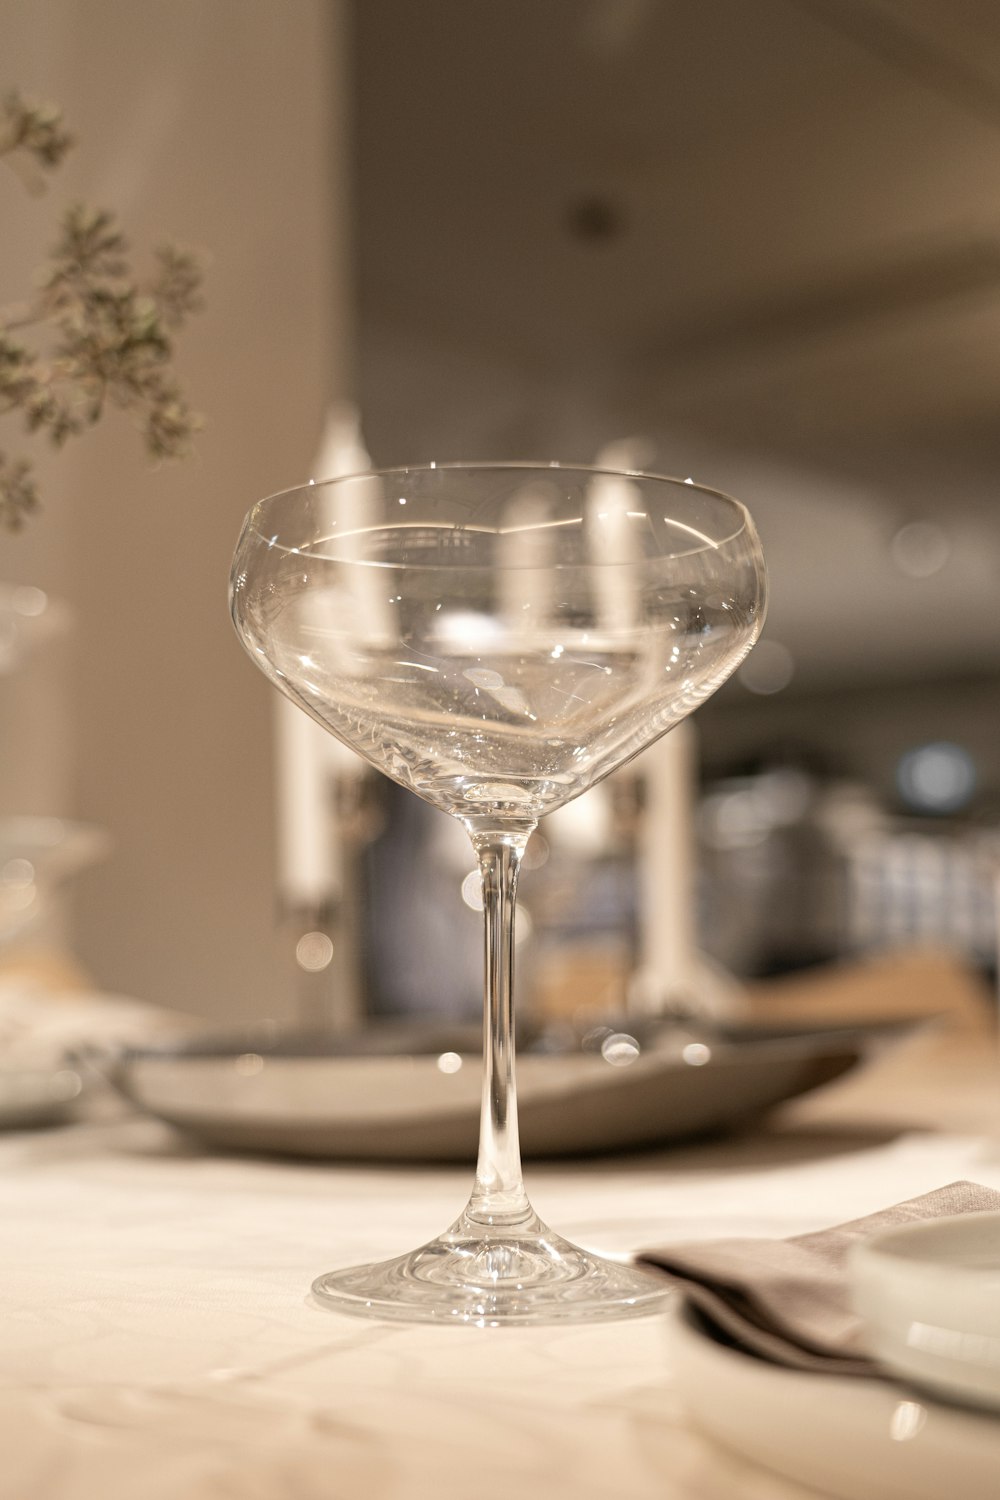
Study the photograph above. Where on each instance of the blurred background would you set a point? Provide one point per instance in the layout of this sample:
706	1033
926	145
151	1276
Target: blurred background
755	244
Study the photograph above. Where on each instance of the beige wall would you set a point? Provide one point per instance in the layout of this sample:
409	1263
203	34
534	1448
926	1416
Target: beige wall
215	124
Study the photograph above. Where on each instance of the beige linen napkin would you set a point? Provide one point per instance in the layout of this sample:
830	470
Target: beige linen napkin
789	1300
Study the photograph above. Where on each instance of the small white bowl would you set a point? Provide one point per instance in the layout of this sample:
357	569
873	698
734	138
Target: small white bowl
929	1297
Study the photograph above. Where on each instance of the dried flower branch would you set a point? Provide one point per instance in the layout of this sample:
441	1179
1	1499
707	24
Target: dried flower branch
91	335
31	137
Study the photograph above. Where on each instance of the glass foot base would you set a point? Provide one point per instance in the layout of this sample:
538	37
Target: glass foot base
488	1276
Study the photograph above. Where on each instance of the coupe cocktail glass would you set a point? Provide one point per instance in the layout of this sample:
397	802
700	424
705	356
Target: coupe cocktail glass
498	638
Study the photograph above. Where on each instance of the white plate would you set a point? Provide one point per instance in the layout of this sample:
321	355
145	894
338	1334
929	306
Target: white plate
929	1296
366	1099
850	1438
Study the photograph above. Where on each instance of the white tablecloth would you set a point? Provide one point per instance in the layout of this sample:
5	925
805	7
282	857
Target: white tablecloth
158	1341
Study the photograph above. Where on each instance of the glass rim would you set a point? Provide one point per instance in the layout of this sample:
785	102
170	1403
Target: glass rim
501	466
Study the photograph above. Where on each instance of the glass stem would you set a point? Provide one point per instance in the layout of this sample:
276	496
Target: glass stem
498	1197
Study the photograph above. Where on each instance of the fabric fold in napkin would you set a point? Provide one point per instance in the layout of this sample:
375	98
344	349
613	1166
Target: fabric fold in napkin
788	1301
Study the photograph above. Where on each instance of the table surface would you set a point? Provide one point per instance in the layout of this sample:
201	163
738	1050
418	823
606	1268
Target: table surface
159	1340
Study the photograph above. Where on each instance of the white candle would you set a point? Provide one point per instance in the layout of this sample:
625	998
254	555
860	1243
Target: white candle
668	950
308	759
525	551
613	505
309	859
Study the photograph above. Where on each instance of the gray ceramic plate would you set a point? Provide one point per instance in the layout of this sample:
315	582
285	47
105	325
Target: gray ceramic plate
397	1095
